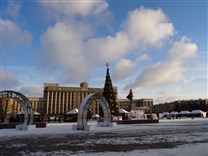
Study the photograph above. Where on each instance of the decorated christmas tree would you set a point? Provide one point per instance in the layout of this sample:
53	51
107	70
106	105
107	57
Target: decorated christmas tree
109	93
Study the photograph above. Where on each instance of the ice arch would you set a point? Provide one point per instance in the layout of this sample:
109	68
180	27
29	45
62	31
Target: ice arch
84	107
24	102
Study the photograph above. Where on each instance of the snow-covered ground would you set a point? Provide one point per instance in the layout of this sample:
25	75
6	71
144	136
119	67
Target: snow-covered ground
184	150
168	137
64	128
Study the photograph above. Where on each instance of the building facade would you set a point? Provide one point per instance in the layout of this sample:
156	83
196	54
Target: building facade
61	99
182	105
10	107
57	100
125	104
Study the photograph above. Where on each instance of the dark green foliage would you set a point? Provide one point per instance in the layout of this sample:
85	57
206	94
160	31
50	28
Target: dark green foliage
110	95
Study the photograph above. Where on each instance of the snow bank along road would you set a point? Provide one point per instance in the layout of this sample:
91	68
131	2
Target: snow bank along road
141	139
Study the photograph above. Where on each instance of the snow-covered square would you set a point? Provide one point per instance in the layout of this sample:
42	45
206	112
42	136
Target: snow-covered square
181	137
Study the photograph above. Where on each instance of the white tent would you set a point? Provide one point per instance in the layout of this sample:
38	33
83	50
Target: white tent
22	112
184	113
132	113
195	112
36	113
165	113
121	111
73	111
95	116
174	113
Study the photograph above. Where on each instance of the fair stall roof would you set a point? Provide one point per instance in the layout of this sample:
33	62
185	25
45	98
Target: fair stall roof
197	112
73	111
194	112
166	113
122	111
184	112
95	116
132	112
22	112
174	113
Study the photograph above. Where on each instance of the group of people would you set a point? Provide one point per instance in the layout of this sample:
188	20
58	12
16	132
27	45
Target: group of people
19	118
54	119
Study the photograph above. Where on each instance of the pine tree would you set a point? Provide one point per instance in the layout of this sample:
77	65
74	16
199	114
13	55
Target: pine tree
110	95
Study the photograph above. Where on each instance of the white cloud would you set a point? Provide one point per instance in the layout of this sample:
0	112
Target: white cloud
109	48
182	50
187	80
73	8
169	71
73	48
148	27
142	58
31	91
123	69
161	73
168	95
14	35
8	80
64	48
144	28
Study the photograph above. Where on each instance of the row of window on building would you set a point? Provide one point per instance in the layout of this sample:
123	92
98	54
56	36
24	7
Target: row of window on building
57	100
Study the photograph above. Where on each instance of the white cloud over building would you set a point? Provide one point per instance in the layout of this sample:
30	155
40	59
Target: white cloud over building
72	40
12	34
66	43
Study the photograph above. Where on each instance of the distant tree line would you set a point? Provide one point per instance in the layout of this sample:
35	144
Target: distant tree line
191	105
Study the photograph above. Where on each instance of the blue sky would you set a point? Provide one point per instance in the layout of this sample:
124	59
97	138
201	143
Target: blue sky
156	48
